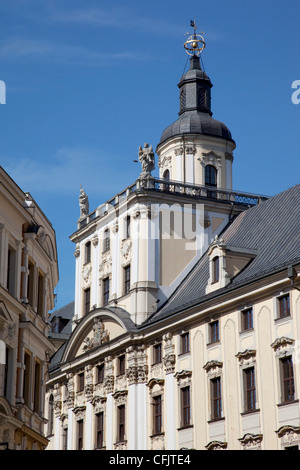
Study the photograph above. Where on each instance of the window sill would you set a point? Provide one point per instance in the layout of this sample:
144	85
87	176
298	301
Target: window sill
291	402
157	434
214	420
283	319
188	426
248	412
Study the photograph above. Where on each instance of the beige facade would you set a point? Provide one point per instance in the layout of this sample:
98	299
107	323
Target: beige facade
185	332
28	275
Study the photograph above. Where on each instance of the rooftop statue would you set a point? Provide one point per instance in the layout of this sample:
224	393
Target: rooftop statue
83	204
146	157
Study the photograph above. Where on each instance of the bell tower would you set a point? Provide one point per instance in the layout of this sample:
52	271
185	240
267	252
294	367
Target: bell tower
196	148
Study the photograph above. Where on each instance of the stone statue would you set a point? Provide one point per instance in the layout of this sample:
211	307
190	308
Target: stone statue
83	204
146	157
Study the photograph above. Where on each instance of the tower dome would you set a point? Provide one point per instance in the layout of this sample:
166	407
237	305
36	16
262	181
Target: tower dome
195	115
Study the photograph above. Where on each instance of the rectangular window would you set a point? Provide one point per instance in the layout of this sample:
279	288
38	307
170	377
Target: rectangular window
121	364
105	291
121	423
87	300
37	387
100	430
80	434
40	297
127	280
100	374
247	319
287	379
214	332
26	379
185	343
157	353
106	244
185	407
216	398
11	270
249	389
284	306
80	382
30	285
157	414
127	226
88	252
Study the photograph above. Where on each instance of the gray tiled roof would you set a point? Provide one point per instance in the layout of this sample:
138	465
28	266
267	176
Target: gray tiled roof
271	229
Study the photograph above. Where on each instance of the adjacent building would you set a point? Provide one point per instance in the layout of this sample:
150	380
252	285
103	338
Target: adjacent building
28	276
185	331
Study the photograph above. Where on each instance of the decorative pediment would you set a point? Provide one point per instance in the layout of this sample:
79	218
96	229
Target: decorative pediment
246	356
283	345
100	335
251	441
216	445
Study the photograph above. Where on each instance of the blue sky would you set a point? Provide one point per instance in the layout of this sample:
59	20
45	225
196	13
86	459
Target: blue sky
88	82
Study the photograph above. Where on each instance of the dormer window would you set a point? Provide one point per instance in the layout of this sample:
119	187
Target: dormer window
215	269
210	176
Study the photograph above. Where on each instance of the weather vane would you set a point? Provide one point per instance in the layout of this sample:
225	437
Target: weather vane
195	43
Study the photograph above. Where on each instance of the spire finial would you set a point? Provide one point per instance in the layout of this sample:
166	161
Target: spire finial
195	42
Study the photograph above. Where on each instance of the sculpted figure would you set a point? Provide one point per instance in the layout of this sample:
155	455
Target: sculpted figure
146	157
83	204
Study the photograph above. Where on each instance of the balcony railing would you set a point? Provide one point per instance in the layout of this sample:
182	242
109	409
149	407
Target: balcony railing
196	192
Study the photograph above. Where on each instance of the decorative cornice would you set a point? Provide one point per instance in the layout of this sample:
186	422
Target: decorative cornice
251	440
216	445
212	365
282	342
246	355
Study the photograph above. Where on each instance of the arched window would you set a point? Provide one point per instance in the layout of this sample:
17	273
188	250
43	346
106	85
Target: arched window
216	269
166	177
210	176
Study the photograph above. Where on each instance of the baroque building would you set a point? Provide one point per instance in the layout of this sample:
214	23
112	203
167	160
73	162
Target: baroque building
185	327
28	276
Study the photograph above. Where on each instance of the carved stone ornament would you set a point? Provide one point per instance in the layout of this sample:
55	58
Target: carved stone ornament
246	356
216	445
79	412
251	441
87	273
126	250
100	336
77	251
99	404
95	240
105	266
183	378
282	343
289	434
120	397
213	368
169	362
165	163
109	383
210	158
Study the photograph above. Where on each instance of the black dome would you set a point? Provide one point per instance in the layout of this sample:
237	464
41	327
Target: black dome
193	122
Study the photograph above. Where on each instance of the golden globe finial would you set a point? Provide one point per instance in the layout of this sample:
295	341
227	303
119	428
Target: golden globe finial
195	42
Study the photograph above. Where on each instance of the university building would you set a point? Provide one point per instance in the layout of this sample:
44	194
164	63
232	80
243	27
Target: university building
184	332
28	276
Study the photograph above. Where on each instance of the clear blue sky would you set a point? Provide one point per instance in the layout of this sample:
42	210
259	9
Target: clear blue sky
89	81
